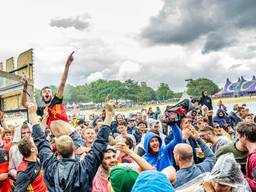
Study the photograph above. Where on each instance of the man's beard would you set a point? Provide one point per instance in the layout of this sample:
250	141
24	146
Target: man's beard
46	102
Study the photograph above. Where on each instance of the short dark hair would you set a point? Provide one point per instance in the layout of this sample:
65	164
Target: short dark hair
123	123
25	146
141	122
128	142
46	87
240	108
248	130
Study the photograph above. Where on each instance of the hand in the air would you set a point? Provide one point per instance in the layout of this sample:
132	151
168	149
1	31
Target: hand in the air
70	58
109	106
32	107
24	81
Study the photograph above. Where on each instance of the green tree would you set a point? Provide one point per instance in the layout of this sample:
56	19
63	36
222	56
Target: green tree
132	90
195	87
163	92
146	93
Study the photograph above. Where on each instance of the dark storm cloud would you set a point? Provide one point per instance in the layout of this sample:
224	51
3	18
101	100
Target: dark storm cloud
216	41
79	22
184	21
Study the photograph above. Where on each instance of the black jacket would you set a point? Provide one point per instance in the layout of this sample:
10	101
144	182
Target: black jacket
205	100
69	175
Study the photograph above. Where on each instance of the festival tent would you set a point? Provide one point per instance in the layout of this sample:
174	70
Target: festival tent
218	94
240	88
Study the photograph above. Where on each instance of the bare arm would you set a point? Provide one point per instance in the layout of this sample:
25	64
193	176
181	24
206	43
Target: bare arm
45	117
3	122
65	76
93	159
170	172
24	100
143	164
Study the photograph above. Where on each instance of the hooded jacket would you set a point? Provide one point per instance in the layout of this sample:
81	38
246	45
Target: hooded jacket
221	120
206	100
152	181
164	157
65	175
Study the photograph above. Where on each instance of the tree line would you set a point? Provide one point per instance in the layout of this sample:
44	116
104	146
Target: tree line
128	90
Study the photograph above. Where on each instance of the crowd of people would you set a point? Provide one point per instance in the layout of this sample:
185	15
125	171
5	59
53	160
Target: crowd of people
186	147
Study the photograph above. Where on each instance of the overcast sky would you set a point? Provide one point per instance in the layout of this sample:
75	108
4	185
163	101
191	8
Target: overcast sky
146	40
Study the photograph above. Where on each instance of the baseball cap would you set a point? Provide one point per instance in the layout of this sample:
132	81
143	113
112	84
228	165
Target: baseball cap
122	178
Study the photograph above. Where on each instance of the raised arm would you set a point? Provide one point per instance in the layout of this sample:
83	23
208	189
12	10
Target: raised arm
210	158
2	120
177	137
24	100
65	75
143	164
45	118
93	159
45	153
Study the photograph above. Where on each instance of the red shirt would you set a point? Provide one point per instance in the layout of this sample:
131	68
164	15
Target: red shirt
5	185
251	170
57	112
30	177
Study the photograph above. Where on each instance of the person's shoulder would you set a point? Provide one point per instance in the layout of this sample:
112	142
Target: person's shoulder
183	172
253	154
223	139
228	146
22	166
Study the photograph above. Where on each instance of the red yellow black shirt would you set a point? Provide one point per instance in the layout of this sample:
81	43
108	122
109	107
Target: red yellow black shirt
30	177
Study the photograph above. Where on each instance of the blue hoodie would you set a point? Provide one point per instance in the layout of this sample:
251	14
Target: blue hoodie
164	157
221	120
152	181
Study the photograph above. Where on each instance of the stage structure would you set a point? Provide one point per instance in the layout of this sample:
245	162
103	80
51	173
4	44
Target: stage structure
240	88
10	81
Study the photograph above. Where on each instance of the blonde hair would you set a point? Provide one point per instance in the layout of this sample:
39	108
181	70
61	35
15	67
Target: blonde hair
65	146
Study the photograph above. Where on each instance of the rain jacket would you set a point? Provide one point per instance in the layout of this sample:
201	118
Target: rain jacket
65	175
187	174
221	120
152	181
206	100
164	157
